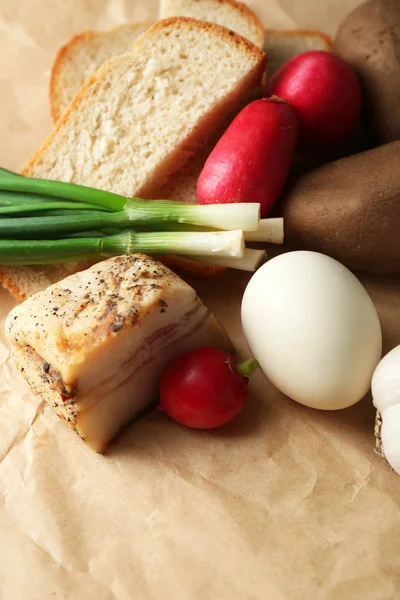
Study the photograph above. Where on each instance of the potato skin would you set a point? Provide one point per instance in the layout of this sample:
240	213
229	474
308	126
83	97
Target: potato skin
369	39
350	210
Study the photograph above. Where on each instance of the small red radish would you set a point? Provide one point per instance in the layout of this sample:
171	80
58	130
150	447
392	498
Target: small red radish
251	161
205	388
326	94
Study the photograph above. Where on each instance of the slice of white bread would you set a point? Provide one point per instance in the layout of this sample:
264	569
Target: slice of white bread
25	281
142	115
280	46
228	13
81	56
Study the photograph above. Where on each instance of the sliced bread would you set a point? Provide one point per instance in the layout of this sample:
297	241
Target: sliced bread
81	56
228	13
142	115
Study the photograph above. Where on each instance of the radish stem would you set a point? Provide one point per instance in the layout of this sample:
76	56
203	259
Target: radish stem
248	367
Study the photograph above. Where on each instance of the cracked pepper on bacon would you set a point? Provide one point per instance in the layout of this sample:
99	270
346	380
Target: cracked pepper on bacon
95	344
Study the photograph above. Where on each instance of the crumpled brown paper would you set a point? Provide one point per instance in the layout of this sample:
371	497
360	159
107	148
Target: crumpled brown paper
286	503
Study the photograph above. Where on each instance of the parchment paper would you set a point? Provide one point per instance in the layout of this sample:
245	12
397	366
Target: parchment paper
286	503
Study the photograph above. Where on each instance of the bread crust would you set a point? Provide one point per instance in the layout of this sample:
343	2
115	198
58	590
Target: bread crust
222	32
62	58
182	266
9	284
64	54
247	14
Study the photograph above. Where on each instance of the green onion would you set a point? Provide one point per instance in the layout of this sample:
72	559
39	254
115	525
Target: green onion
44	221
19	199
68	191
269	231
244	216
28	252
47	208
143	213
31	227
249	262
8	173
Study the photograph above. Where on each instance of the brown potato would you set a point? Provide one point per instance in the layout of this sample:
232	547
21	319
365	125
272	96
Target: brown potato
369	39
350	210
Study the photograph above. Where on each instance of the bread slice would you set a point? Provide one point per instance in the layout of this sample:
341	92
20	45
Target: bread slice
143	114
280	46
81	56
25	281
228	13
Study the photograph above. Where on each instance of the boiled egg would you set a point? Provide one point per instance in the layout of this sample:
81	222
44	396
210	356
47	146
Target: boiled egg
313	329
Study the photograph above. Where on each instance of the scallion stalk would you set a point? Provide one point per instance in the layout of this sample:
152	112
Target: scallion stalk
32	227
46	208
250	261
59	189
28	252
45	221
269	231
244	216
18	199
137	213
228	217
6	172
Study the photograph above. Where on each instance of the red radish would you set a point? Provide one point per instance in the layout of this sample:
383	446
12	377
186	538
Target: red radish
251	161
205	388
326	94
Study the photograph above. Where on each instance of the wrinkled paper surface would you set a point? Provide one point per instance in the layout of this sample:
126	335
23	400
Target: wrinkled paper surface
286	503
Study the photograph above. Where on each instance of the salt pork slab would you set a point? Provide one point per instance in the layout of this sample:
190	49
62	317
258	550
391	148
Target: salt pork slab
95	344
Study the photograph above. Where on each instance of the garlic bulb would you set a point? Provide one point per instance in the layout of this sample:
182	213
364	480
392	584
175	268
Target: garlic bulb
386	397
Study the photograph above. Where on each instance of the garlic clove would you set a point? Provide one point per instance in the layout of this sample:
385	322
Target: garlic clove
385	389
390	435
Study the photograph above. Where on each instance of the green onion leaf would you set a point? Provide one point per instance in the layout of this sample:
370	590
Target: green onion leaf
68	191
46	208
6	172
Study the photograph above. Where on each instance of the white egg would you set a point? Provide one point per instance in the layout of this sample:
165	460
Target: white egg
313	328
